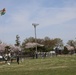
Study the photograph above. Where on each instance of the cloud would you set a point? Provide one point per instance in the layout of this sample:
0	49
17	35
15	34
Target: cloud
53	16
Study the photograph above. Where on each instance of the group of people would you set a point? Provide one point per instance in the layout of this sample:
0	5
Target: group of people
8	58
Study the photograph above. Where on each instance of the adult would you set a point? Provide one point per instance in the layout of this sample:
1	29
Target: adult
18	59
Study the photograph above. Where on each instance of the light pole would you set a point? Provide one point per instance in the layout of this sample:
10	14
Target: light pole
34	24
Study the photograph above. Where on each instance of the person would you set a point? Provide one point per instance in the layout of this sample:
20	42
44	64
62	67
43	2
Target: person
44	54
56	51
18	59
11	57
6	58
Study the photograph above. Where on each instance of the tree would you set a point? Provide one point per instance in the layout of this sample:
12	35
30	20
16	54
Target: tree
48	43
51	43
7	49
17	40
71	43
65	51
58	42
47	38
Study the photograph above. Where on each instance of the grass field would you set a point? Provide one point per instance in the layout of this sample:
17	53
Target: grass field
60	65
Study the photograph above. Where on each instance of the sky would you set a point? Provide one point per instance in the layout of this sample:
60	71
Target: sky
56	19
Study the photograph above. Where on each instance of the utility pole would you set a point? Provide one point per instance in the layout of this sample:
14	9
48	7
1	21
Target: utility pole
34	24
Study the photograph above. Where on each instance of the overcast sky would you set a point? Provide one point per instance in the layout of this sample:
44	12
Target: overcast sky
56	19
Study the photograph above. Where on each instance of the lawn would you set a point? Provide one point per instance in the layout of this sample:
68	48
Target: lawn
60	65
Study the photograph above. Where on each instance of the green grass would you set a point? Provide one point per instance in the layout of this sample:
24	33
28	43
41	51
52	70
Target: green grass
60	65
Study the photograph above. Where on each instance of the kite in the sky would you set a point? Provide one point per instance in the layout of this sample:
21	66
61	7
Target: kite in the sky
2	12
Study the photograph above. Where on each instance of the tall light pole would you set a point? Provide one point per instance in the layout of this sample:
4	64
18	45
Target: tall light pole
34	24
